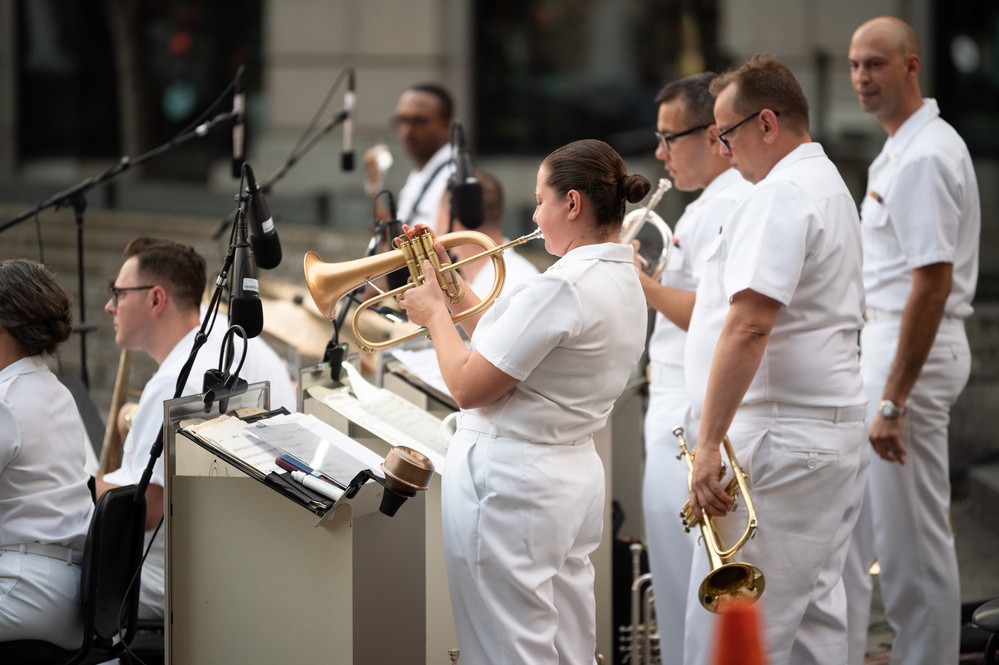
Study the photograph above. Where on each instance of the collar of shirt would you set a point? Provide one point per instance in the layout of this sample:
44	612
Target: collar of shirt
442	155
22	366
726	178
601	251
808	150
925	114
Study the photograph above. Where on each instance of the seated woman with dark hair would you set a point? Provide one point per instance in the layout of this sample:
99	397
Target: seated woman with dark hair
45	503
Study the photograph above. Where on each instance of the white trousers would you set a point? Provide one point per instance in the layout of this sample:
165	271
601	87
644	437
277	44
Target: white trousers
906	525
807	479
664	491
520	520
40	599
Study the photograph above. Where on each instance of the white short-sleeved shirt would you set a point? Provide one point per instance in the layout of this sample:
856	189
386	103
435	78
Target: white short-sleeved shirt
261	364
572	336
922	208
436	172
794	238
44	496
700	223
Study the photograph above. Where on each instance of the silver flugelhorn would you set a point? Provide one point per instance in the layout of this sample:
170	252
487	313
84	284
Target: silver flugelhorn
638	643
653	249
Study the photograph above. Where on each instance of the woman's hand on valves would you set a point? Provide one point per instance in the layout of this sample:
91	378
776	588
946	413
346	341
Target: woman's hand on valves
422	303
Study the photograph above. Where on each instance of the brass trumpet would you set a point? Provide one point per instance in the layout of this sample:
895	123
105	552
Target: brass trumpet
328	282
652	256
728	580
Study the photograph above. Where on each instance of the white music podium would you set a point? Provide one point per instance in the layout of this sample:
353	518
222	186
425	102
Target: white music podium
255	576
418	545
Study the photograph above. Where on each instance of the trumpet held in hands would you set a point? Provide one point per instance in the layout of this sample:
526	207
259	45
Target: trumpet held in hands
728	580
328	282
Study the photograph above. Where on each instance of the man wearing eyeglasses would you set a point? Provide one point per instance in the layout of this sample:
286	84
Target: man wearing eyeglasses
772	360
155	303
422	123
921	223
687	146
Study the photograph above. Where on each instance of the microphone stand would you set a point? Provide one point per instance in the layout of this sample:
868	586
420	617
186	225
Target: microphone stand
266	184
77	197
200	338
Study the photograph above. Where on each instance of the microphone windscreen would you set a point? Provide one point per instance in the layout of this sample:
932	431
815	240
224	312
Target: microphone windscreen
266	250
347	161
466	204
248	313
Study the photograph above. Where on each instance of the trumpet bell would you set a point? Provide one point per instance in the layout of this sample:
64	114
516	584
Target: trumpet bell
653	235
731	581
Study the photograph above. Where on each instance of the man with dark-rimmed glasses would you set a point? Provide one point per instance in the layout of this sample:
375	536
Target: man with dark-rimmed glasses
155	302
688	149
772	361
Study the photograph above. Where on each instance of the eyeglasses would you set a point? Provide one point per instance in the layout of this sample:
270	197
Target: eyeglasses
116	291
664	139
721	136
414	121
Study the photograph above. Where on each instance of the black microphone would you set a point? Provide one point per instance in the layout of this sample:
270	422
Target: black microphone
466	190
349	102
245	308
263	237
239	109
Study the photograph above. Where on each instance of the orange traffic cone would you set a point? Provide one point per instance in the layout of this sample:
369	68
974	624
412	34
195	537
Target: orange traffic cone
738	636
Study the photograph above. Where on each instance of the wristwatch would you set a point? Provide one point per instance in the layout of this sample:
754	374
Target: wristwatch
889	411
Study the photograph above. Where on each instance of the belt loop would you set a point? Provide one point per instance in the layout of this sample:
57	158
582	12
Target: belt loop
23	549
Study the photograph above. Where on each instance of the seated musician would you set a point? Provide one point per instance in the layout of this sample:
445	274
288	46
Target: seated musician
45	503
479	274
155	301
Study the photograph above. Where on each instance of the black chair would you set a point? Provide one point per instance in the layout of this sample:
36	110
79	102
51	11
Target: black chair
986	617
110	560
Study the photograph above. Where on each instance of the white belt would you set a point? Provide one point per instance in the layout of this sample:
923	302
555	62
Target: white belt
833	414
51	551
875	314
483	426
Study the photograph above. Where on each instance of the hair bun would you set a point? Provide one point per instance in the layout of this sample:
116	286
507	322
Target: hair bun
633	188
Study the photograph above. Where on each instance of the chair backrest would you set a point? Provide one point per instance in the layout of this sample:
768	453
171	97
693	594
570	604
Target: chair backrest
109	584
110	580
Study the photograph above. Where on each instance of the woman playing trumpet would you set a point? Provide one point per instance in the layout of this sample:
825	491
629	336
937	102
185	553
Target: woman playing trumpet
523	485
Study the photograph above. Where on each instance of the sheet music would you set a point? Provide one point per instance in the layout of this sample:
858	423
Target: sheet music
423	364
388	416
258	444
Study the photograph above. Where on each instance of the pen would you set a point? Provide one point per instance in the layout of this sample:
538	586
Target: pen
876	197
317	485
292	463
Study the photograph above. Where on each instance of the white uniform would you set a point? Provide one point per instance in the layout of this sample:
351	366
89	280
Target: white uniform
261	364
523	485
664	489
422	191
45	506
799	432
922	209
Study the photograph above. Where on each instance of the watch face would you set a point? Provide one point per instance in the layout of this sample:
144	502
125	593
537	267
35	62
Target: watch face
890	411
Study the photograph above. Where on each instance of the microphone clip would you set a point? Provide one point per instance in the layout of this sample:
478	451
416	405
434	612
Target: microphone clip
221	384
